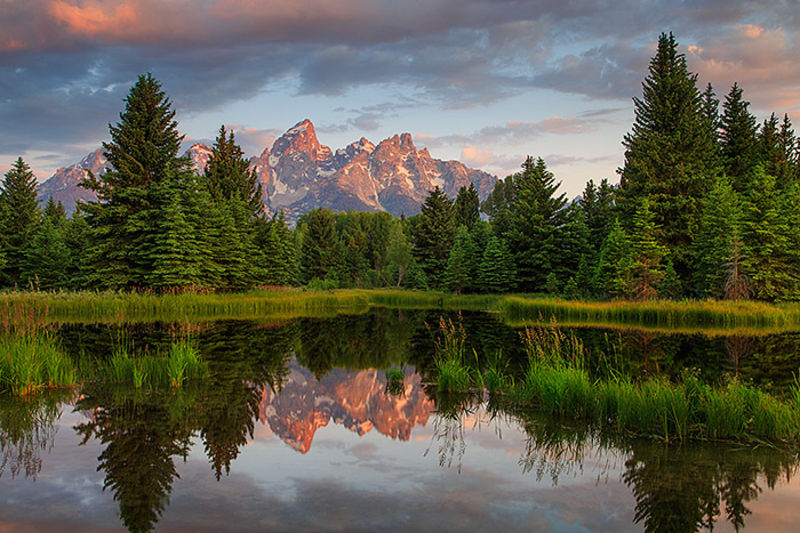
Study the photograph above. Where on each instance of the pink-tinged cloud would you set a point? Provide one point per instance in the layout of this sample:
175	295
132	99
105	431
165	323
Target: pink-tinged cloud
476	157
95	18
763	62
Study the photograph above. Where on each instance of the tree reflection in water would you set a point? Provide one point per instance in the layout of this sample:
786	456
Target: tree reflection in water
28	428
676	488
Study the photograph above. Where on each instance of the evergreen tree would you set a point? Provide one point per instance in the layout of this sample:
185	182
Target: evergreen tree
19	219
597	204
459	272
648	253
433	236
229	176
76	237
55	212
738	139
770	151
237	196
720	226
46	257
496	270
467	207
319	252
172	246
613	275
670	153
143	152
277	243
789	170
770	240
536	237
710	117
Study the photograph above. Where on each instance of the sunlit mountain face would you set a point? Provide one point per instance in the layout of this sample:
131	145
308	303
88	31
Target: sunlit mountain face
298	173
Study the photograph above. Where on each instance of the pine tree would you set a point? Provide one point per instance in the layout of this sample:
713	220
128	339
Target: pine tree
433	236
46	257
720	225
710	116
277	243
19	219
738	139
613	275
597	204
459	271
467	207
319	252
229	176
173	249
789	170
55	212
496	270
770	151
143	152
648	254
670	154
536	237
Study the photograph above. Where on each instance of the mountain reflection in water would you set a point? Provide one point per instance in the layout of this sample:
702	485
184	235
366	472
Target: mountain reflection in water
222	454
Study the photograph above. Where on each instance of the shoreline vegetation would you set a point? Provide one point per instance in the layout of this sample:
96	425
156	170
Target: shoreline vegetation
709	317
557	382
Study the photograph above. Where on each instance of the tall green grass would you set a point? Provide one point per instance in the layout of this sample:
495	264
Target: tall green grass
696	315
33	361
558	383
711	316
181	363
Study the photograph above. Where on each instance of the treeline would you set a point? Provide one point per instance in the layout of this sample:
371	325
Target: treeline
708	205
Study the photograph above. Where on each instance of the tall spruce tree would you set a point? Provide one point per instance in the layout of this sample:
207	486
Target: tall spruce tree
496	271
467	207
670	153
229	176
789	170
125	220
770	238
320	248
461	270
719	230
19	219
738	139
277	244
648	254
613	273
237	196
433	236
536	236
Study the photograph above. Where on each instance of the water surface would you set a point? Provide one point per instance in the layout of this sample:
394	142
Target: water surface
297	430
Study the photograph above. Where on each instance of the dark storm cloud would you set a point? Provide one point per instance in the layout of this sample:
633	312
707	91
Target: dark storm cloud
66	65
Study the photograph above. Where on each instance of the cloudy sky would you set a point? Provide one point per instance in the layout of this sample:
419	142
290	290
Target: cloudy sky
483	81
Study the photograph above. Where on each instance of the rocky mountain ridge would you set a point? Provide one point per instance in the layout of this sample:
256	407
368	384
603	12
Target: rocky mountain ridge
298	173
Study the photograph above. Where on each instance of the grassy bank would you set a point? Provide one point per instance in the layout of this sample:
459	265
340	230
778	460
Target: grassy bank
557	383
688	315
711	317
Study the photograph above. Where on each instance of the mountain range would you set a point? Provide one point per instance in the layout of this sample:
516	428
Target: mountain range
298	174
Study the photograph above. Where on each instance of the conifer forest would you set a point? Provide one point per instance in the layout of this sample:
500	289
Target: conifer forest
707	206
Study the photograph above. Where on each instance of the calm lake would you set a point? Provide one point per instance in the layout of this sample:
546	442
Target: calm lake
297	428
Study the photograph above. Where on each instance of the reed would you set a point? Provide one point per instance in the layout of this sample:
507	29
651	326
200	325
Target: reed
558	383
658	314
181	364
33	361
